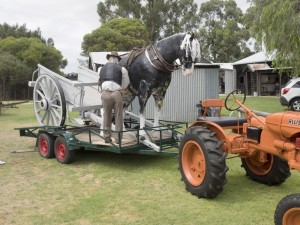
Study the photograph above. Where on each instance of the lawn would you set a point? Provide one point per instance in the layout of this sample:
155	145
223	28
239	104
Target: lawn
107	188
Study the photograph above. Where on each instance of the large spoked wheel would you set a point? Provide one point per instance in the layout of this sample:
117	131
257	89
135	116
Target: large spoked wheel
202	162
62	151
232	99
272	170
46	145
49	101
288	210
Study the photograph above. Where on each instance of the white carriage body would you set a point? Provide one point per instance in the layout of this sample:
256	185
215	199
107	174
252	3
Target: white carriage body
81	95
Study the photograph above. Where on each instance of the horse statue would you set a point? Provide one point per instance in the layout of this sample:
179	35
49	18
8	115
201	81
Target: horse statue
150	72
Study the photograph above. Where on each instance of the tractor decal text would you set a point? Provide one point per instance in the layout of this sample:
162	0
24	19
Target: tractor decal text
294	122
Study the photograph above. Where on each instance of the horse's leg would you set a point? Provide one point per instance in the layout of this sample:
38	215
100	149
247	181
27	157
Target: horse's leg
159	96
128	97
157	109
143	97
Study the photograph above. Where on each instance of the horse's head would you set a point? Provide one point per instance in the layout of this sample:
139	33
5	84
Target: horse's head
191	53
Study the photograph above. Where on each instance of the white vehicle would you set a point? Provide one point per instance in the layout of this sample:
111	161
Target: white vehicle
290	94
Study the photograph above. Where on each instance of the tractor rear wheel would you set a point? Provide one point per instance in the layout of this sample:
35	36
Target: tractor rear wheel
273	171
202	162
288	210
45	145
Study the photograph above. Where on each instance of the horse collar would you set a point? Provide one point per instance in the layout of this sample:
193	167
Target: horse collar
158	61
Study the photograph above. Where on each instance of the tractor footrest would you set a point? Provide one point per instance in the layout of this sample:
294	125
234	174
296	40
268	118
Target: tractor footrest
224	121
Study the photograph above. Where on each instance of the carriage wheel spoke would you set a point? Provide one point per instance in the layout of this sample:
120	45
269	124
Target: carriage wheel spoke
52	90
44	87
55	113
40	93
48	118
44	117
40	109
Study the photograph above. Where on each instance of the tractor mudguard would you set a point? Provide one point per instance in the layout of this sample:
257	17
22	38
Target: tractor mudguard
220	133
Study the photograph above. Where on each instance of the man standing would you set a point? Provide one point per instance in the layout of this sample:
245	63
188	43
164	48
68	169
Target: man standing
112	79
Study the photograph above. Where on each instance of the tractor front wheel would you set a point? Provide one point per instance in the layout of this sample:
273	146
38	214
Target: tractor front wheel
202	162
271	171
62	151
288	210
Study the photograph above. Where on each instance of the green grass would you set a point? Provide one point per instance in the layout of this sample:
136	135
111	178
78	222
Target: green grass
107	188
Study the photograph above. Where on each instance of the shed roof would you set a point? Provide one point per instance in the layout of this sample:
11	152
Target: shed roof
225	66
256	58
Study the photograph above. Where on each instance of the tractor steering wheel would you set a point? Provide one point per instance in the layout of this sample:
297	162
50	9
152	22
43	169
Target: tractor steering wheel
230	101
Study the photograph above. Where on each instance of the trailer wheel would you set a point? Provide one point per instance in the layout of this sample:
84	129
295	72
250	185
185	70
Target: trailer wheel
273	171
46	145
202	162
62	152
288	210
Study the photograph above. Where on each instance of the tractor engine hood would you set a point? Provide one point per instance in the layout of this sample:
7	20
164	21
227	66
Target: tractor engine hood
286	124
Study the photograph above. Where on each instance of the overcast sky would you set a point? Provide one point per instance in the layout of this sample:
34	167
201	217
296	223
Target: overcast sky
65	21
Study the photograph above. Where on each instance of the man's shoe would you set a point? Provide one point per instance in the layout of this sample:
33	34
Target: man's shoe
107	140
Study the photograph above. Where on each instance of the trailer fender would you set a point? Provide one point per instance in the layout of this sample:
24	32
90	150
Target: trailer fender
70	139
220	133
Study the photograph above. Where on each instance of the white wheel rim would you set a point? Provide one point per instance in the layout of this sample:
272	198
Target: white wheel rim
47	101
296	105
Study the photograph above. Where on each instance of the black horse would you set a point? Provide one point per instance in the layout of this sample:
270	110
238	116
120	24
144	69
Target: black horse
150	72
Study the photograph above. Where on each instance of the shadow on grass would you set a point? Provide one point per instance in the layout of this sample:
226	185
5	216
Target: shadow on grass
128	161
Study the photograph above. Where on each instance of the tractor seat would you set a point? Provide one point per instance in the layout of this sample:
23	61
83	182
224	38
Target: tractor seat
224	121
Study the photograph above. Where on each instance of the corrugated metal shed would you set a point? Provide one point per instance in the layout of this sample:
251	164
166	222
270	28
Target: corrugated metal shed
230	81
184	93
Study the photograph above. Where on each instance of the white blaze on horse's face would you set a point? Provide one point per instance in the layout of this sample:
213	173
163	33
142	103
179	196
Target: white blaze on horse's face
192	50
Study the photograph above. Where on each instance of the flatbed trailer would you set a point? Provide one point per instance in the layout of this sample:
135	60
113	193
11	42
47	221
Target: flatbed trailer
63	141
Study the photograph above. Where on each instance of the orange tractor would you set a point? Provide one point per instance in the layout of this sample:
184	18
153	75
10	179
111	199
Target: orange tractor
268	147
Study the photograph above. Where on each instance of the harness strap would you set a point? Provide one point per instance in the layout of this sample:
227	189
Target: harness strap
158	61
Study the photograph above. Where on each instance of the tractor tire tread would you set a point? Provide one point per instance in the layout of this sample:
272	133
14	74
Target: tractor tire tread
288	202
215	162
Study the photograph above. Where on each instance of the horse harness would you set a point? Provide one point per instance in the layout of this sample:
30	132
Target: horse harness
158	61
154	56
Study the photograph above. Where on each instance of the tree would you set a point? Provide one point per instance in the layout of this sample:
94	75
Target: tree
161	17
13	73
116	34
19	31
276	25
33	51
222	34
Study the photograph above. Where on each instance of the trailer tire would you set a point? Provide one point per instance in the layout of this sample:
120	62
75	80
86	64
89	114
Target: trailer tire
45	145
273	172
288	210
62	151
202	162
